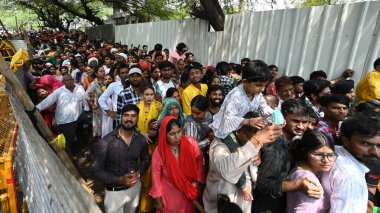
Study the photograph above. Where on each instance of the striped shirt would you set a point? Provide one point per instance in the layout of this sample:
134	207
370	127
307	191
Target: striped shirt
127	96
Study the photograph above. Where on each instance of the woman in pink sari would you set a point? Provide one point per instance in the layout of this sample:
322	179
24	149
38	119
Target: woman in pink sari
177	169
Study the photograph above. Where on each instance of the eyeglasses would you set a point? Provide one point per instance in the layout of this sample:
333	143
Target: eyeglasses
320	156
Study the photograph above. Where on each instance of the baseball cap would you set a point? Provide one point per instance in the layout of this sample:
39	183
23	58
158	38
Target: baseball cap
135	70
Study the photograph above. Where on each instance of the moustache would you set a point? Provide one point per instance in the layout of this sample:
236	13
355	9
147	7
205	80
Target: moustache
299	130
372	156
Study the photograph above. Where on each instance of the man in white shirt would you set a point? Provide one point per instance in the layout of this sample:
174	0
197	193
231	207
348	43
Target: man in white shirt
113	90
345	184
69	112
165	82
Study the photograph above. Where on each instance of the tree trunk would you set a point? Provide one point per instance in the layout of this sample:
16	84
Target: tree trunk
212	11
89	15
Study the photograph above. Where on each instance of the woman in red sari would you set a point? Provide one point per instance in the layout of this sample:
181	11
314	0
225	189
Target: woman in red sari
177	169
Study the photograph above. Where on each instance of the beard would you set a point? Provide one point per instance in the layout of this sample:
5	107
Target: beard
368	159
126	127
135	84
216	102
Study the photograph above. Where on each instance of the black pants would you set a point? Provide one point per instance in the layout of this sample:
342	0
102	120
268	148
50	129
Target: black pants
70	131
268	204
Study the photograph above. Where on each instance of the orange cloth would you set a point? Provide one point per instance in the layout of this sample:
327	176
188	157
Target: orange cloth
86	83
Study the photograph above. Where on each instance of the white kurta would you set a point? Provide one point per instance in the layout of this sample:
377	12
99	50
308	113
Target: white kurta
345	184
107	122
225	169
108	101
113	90
234	107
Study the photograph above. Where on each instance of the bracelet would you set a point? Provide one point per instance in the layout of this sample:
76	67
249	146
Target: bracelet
257	140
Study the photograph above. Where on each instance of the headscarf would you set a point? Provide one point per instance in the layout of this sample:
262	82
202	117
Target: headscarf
168	102
184	172
49	81
144	65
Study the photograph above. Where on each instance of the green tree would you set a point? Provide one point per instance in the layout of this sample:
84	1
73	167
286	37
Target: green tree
10	13
309	3
52	12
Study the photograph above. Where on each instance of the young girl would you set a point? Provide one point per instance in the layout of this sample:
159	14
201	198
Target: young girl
149	108
314	153
173	93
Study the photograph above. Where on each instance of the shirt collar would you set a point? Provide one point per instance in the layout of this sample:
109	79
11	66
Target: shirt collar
115	132
75	88
342	152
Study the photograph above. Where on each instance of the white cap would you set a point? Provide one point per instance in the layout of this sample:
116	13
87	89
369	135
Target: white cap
78	55
114	50
135	70
123	55
92	59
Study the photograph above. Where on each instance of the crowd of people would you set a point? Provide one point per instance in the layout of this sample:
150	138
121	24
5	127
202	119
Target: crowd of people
173	135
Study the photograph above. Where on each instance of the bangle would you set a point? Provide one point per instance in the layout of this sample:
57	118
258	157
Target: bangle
258	142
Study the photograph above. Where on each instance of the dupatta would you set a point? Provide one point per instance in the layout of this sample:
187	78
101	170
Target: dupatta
184	171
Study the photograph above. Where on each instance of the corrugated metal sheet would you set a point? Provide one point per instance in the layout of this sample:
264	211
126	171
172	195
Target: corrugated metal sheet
45	182
298	41
106	32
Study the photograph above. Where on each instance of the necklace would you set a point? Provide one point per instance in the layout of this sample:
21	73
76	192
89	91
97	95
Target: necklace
175	151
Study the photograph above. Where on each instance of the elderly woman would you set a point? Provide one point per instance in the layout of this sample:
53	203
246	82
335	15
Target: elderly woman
177	168
171	106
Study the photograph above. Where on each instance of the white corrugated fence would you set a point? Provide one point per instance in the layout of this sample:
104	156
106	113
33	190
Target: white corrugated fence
298	41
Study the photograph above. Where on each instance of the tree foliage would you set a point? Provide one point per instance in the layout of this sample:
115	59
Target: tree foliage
310	3
53	13
46	12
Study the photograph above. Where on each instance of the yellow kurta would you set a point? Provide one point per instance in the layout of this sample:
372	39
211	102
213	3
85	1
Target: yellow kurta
189	93
368	88
146	115
146	204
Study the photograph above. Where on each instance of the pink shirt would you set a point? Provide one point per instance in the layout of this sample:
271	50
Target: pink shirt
162	53
174	57
298	202
271	89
